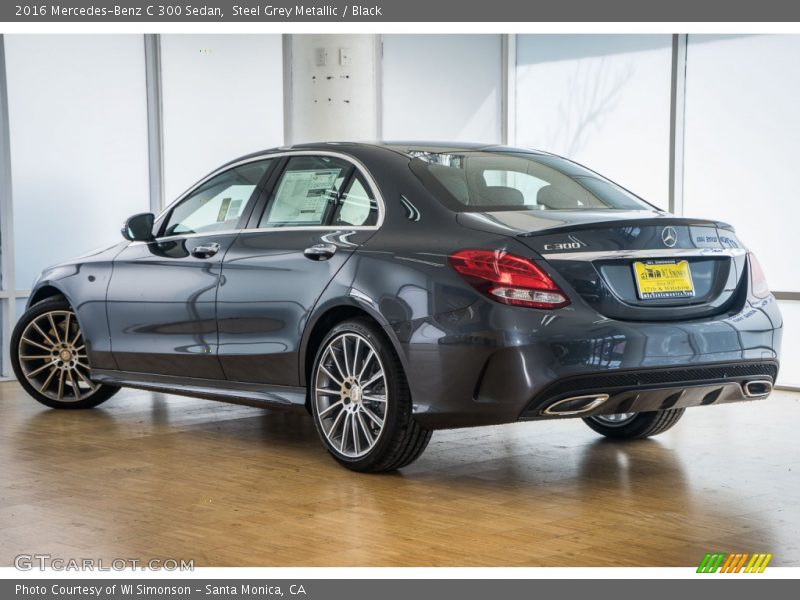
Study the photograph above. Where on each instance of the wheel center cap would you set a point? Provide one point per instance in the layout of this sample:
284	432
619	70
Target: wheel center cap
66	355
356	394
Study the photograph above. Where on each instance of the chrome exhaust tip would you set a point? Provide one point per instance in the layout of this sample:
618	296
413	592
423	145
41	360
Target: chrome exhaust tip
757	389
575	405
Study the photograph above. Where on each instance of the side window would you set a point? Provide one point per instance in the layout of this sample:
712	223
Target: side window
307	193
218	203
357	206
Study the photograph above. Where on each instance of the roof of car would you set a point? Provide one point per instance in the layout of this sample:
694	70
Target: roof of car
405	148
439	147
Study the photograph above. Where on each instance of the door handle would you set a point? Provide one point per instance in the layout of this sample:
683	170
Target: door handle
320	251
205	251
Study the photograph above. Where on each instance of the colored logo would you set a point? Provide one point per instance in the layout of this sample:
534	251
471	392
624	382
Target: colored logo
742	562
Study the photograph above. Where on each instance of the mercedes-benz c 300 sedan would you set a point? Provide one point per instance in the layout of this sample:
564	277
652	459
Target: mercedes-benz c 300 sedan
394	289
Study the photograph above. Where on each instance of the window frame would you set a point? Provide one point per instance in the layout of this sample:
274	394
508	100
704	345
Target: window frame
164	216
358	169
265	188
258	215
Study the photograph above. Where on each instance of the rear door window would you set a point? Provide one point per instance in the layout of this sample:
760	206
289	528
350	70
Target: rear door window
357	206
307	193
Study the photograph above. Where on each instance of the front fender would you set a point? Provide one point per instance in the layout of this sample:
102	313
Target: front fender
84	283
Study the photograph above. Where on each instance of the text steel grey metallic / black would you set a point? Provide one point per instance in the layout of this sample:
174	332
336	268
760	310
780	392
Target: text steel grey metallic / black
393	289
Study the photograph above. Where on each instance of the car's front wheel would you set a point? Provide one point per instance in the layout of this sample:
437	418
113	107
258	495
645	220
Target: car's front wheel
361	402
634	426
48	355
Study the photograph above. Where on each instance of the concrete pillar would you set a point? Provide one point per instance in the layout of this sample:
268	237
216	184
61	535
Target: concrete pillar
334	83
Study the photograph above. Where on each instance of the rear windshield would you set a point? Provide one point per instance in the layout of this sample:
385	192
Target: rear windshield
492	181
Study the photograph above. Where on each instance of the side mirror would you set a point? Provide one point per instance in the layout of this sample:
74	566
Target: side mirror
139	228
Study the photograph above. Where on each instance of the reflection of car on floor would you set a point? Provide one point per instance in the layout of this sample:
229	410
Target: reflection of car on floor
393	289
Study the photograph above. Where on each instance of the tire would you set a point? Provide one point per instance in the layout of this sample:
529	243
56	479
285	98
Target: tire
360	400
58	376
638	426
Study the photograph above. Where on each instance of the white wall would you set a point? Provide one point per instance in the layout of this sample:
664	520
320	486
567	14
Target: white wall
78	135
442	87
742	140
601	100
790	358
334	88
222	98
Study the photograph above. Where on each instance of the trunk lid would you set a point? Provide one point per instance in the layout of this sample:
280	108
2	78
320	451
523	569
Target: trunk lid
596	253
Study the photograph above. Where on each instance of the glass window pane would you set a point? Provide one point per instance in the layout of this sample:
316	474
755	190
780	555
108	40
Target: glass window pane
442	87
357	207
307	191
21	304
217	204
480	181
527	185
3	351
602	100
742	141
790	352
78	118
222	98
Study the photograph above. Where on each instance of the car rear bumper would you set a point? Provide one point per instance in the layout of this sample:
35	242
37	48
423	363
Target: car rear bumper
653	389
493	364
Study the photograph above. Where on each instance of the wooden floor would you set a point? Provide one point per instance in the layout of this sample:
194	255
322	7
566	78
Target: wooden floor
153	476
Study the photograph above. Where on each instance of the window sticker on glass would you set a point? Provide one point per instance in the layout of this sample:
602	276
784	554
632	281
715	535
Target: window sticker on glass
230	209
223	210
303	196
235	209
228	204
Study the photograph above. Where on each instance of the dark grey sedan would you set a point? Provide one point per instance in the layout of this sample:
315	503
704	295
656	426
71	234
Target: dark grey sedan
394	289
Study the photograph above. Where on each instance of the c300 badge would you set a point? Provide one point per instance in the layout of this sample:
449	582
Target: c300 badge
573	244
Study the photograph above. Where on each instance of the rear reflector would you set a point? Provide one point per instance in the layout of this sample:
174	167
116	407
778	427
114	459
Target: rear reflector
758	281
508	278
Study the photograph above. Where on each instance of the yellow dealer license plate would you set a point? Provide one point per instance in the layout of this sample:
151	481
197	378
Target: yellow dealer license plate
661	279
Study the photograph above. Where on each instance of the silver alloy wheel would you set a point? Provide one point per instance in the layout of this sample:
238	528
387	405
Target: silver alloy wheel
618	420
350	395
52	355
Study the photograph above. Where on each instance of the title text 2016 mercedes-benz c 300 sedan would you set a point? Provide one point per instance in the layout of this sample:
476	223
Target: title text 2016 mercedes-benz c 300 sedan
393	289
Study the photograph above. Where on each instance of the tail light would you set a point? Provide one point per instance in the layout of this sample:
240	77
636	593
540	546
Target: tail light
508	278
758	282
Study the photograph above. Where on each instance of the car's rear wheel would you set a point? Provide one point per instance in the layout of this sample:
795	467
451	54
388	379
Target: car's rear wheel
48	355
634	426
361	402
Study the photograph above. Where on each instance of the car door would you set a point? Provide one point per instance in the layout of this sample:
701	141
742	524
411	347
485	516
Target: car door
162	294
321	208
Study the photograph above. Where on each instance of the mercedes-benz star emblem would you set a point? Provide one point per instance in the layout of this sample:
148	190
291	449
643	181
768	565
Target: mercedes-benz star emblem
669	236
